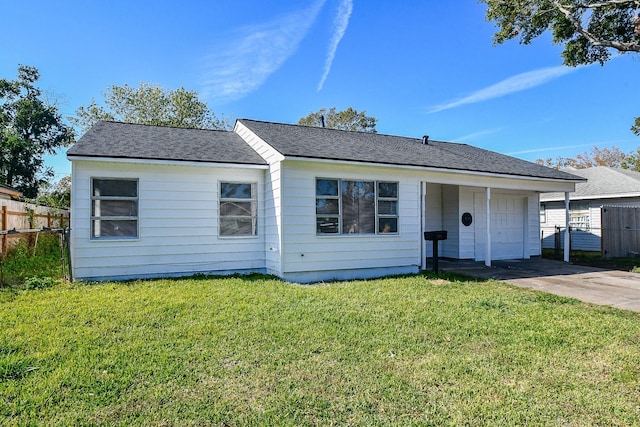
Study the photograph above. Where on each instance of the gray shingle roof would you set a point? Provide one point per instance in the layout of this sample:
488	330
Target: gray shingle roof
330	144
603	182
133	141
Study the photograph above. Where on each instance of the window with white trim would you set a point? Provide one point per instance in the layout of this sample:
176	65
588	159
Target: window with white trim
356	207
543	212
238	209
579	216
114	208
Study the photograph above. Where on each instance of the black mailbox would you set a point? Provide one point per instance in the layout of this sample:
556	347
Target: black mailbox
435	237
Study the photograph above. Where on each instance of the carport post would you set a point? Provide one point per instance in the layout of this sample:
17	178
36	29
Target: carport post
567	236
487	258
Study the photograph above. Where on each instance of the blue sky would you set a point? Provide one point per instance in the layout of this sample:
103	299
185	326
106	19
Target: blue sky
420	67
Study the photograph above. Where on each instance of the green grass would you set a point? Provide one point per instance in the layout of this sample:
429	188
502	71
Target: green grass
256	351
31	265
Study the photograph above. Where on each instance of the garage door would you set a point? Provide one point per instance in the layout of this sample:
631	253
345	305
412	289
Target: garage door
507	227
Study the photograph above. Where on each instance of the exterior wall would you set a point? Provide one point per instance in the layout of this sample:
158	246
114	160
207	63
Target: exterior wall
178	223
450	215
178	220
433	214
580	240
273	199
311	257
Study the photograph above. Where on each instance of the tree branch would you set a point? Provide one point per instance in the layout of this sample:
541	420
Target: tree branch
620	46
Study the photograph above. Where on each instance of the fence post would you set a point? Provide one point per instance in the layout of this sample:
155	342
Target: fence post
5	224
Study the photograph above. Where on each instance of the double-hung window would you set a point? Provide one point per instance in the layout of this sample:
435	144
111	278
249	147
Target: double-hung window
238	209
579	216
356	207
114	208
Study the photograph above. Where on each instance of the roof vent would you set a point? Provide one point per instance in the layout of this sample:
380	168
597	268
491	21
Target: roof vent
322	120
425	140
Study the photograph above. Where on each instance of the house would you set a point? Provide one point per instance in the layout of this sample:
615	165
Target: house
605	186
8	193
306	204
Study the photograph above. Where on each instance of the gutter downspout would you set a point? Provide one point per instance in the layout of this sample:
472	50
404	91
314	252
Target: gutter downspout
487	258
567	235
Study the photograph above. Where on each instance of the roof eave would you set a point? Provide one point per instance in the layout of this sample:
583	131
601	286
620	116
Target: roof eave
432	168
72	157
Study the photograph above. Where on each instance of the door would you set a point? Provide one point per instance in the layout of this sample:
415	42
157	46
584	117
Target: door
507	227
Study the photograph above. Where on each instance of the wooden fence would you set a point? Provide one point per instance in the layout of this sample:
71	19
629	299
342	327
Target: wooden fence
620	231
20	216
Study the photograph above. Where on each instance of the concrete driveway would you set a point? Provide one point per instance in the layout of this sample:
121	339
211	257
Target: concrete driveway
614	288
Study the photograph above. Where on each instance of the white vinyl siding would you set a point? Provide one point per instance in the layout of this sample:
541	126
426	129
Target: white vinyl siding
273	208
178	223
306	251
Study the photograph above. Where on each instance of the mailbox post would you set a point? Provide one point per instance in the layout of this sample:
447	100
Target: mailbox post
435	237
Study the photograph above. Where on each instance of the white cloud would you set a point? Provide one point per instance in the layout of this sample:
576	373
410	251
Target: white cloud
341	22
477	134
513	84
243	63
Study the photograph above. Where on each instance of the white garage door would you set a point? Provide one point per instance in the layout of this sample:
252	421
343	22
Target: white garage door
507	227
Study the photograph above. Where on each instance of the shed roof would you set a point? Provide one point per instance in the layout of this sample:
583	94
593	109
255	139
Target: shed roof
603	182
297	141
134	141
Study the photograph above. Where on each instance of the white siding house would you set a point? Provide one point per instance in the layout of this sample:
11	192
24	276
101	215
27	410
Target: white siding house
305	204
604	186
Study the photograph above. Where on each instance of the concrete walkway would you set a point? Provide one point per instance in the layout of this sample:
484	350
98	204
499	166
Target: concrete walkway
614	288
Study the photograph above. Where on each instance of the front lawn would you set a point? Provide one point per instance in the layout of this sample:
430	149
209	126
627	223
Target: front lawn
257	351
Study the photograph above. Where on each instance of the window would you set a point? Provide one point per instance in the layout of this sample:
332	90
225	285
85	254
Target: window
387	207
579	216
238	209
356	207
543	212
114	208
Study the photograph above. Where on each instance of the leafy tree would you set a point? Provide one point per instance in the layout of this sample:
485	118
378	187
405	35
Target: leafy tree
149	104
57	195
589	30
348	119
632	161
611	157
29	129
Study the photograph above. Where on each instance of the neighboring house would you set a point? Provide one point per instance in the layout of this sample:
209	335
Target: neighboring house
604	186
303	203
8	193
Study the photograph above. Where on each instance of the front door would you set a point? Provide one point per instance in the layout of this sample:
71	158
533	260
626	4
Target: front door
507	226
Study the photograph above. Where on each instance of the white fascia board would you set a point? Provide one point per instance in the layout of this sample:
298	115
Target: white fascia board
594	197
448	175
165	162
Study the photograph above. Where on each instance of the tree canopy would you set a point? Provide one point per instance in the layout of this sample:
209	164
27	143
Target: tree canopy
590	30
348	119
29	129
612	157
149	104
632	160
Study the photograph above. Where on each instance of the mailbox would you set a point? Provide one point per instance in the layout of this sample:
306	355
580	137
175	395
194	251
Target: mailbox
435	237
